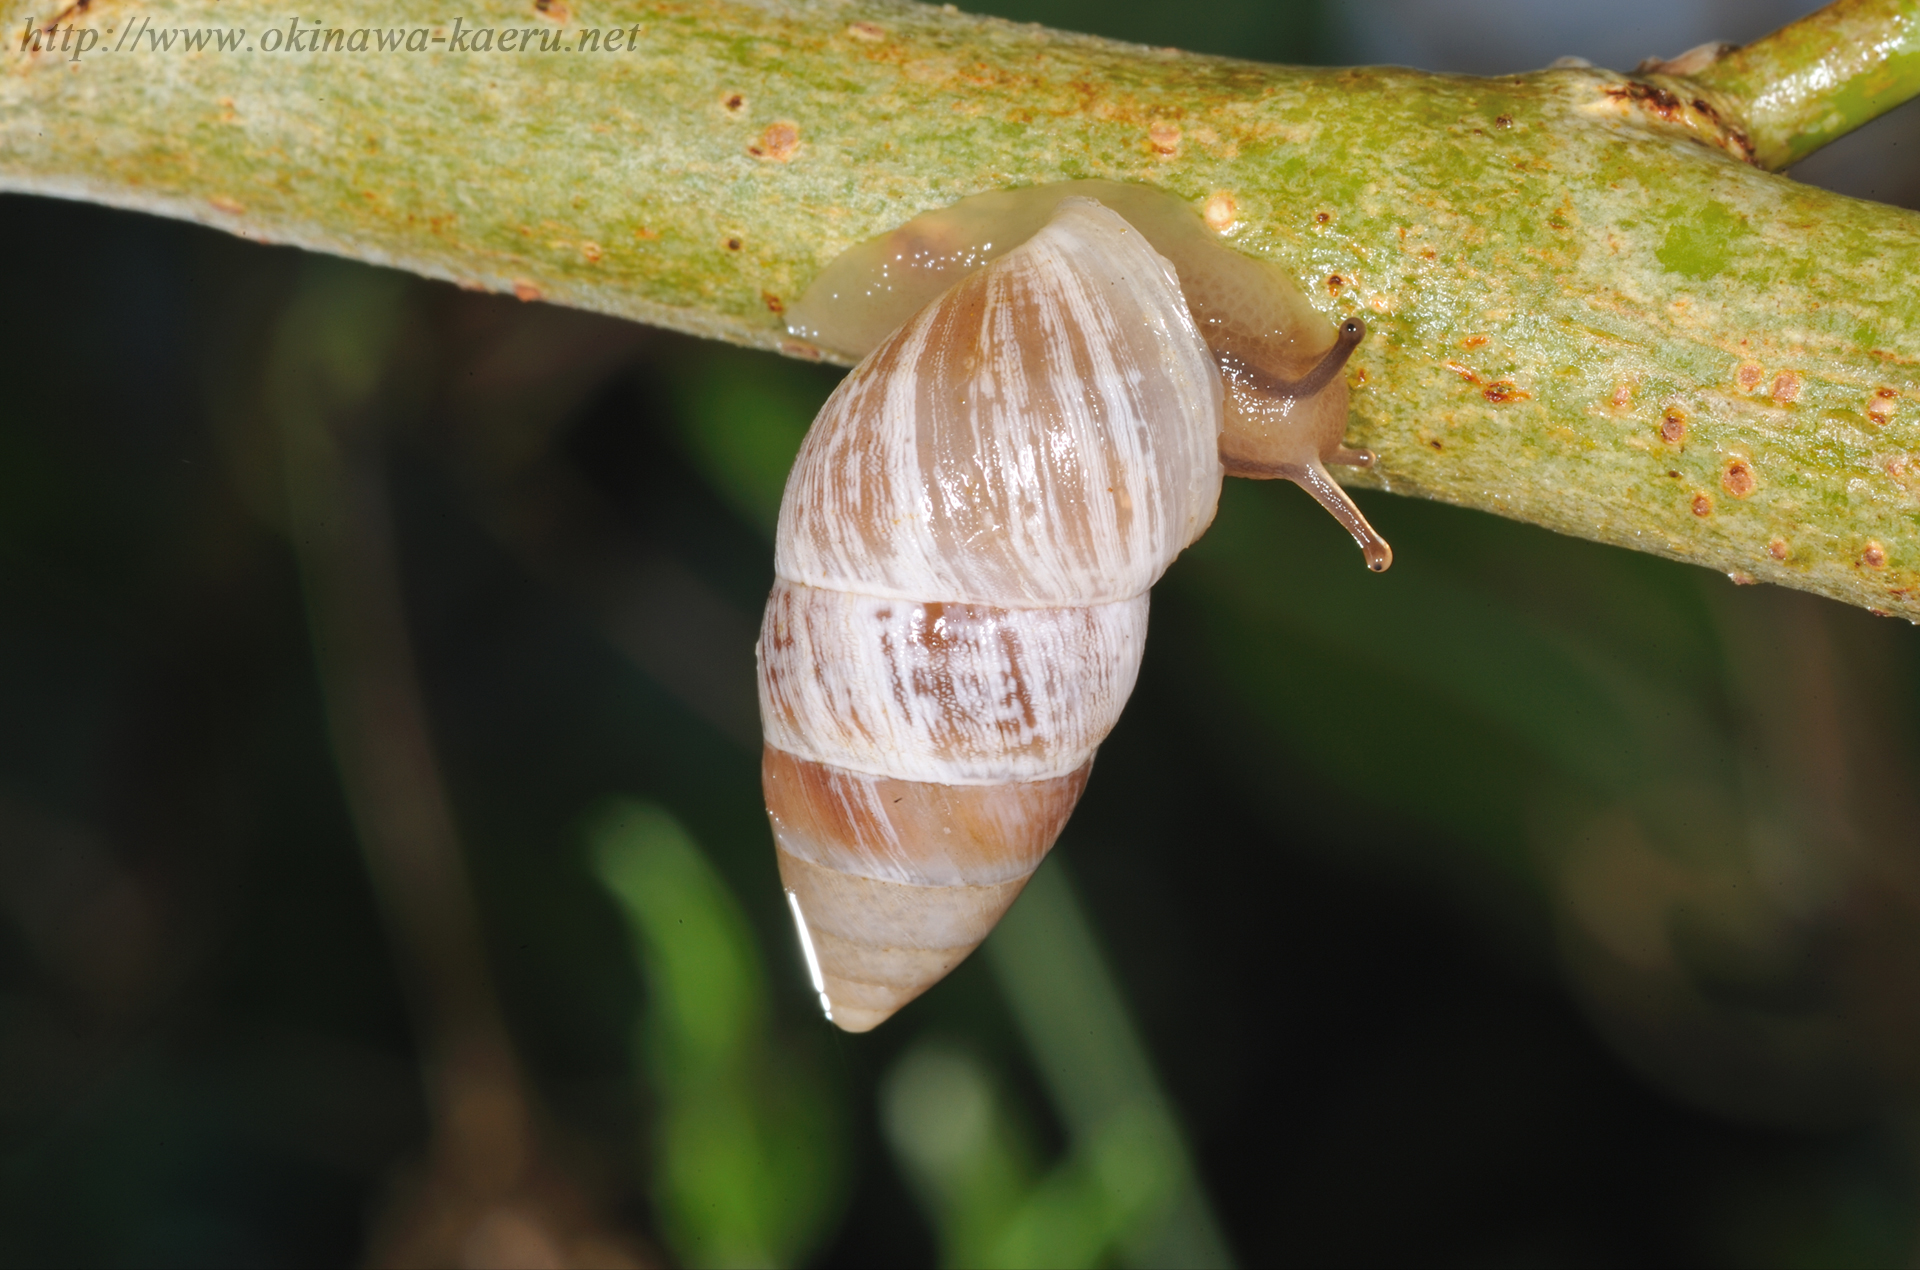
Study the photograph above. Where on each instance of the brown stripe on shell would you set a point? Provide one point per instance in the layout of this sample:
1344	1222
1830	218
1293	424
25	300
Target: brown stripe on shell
966	694
1045	434
911	832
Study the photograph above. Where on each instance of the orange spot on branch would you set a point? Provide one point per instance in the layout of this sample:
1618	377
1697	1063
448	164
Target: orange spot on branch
1738	480
779	143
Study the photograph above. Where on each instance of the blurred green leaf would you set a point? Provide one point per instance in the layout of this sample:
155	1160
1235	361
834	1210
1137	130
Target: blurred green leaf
1126	1189
741	417
965	1152
748	1146
969	1155
1129	1188
1097	1201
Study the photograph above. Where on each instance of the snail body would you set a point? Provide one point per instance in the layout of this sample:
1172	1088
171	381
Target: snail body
969	535
1286	400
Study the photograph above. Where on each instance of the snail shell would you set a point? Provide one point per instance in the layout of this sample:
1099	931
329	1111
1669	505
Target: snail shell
965	548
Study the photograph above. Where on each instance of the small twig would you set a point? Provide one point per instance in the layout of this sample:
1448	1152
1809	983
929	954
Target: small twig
1815	80
489	1195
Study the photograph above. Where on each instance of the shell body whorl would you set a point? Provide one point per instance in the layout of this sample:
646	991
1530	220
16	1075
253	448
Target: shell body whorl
1045	433
965	548
954	694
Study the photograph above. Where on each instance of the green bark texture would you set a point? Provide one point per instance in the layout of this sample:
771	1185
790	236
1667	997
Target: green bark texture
1590	308
1817	80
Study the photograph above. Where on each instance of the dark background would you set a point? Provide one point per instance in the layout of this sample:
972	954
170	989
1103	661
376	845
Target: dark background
1534	904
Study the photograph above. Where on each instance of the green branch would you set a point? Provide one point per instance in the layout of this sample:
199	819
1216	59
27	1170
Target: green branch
1819	78
1590	311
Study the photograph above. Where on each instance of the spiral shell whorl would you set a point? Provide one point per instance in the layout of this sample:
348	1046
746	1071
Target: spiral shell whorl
897	881
1046	433
965	549
958	694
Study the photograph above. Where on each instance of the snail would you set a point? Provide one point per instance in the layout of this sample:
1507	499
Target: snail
969	534
1286	405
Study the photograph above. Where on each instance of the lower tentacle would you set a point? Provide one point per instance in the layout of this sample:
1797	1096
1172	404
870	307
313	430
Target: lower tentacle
1313	478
